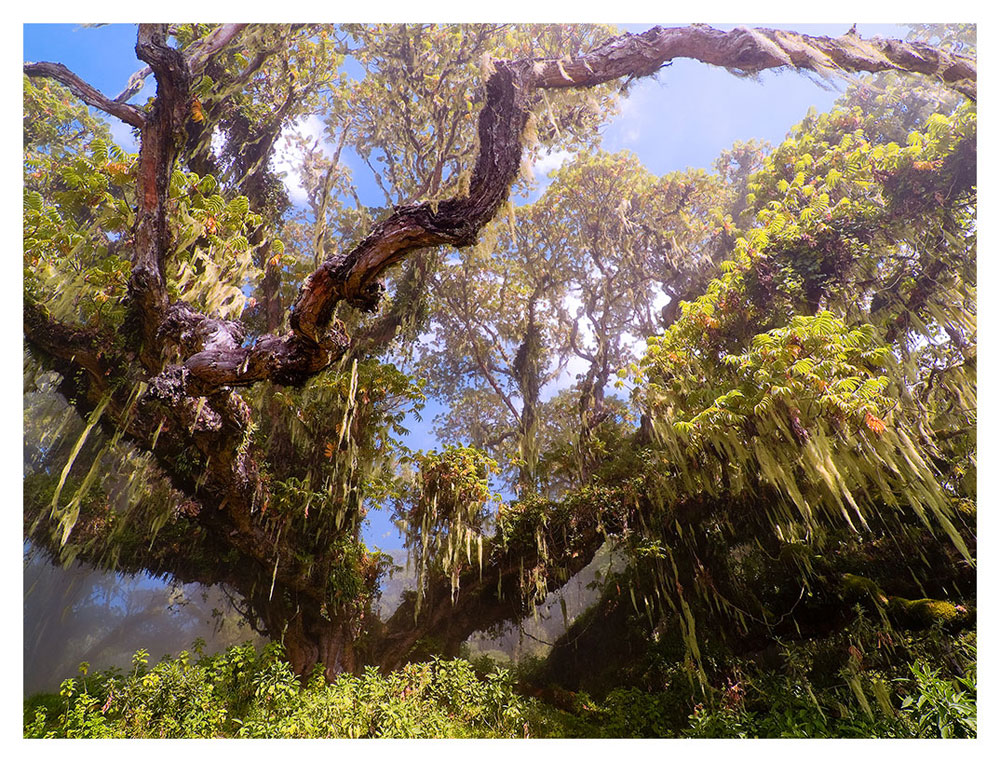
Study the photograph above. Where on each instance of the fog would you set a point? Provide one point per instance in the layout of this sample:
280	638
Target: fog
77	614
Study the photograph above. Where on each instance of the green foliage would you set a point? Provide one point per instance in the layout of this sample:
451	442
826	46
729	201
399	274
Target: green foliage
447	511
213	260
942	708
73	258
794	382
246	694
921	706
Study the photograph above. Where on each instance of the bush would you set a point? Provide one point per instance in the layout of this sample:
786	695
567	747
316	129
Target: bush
249	694
942	708
242	693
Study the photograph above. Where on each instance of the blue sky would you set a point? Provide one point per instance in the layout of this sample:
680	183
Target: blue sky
682	118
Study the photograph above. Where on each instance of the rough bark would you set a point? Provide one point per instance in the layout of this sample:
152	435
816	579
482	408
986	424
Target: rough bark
85	92
751	51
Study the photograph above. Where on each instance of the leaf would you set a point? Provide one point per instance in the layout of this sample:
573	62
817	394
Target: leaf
875	424
34	201
239	206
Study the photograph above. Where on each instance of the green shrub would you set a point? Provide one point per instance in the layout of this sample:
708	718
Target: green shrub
942	708
249	694
242	693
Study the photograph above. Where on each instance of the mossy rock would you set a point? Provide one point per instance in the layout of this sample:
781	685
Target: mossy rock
925	612
856	587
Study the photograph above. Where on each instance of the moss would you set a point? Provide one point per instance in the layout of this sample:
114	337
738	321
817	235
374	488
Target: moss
856	587
50	704
925	612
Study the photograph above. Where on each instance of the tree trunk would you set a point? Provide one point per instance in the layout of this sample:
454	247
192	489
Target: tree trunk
310	640
309	635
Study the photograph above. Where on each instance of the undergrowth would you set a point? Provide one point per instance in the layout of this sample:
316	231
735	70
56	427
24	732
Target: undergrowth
243	693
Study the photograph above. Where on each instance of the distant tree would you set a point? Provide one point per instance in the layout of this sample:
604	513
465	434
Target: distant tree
807	399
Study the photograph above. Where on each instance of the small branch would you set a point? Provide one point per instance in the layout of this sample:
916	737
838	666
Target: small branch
135	84
85	92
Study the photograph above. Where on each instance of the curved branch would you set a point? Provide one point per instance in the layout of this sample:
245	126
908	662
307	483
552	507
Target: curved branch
87	93
227	360
751	51
456	221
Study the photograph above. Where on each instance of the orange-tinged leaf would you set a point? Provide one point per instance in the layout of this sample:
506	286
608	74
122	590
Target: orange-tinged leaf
877	425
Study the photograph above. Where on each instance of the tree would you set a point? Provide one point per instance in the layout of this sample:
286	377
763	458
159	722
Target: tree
248	454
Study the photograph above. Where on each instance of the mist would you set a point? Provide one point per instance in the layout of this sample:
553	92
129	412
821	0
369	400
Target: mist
78	614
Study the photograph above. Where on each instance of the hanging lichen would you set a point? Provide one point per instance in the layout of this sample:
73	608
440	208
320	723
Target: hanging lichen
447	511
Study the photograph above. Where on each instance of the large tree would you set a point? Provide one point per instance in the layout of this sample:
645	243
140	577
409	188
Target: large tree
246	452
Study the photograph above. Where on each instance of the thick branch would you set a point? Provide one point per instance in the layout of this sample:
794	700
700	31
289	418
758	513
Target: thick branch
81	347
198	56
176	429
456	221
498	594
85	92
751	51
312	345
157	155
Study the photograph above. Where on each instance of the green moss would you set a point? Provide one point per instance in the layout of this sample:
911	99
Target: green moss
924	611
856	587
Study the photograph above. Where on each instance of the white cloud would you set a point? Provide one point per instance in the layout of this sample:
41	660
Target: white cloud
218	141
633	119
550	160
288	156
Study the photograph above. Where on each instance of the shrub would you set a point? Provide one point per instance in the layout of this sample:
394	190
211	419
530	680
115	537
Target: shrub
243	693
